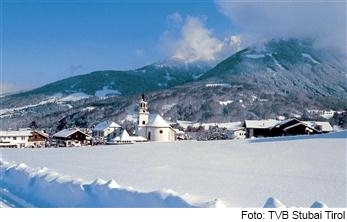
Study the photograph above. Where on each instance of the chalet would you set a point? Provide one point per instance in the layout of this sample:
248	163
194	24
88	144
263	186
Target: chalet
71	137
289	127
292	127
323	127
154	128
106	130
38	139
14	139
259	128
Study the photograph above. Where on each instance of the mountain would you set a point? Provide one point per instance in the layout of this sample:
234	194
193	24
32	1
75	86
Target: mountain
283	77
156	76
285	67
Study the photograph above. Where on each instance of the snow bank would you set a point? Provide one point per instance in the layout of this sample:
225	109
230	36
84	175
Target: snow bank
239	173
45	188
273	203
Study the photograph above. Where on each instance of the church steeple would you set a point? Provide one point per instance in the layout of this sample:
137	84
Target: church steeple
143	105
143	113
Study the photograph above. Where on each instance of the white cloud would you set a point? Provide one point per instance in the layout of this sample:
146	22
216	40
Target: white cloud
233	42
175	19
196	42
193	41
324	21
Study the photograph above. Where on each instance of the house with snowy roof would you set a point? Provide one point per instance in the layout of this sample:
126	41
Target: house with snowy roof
71	137
289	127
292	127
14	138
153	127
259	128
38	139
106	130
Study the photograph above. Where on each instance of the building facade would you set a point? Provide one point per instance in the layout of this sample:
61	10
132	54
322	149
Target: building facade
14	139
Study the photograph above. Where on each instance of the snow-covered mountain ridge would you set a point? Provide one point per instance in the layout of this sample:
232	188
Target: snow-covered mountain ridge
286	77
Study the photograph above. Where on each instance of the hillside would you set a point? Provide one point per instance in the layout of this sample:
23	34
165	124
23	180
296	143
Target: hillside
280	78
286	67
157	76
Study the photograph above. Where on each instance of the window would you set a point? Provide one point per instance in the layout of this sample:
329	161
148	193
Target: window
14	138
143	122
23	137
161	131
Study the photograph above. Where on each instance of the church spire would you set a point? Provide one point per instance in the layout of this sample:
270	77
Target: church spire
143	117
143	105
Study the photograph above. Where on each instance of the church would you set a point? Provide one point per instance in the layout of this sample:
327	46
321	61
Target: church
153	127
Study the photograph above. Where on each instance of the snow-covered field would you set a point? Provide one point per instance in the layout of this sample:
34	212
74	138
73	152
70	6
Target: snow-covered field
298	171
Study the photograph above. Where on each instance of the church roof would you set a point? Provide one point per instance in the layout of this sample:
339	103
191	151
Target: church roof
157	121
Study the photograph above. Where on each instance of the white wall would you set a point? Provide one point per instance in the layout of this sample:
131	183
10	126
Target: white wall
160	134
19	141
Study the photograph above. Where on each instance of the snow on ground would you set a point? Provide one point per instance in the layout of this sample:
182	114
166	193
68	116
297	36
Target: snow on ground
74	97
105	91
293	171
255	56
310	58
277	63
168	107
46	188
9	111
225	103
227	125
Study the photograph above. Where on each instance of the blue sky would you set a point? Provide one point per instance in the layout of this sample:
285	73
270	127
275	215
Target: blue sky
47	40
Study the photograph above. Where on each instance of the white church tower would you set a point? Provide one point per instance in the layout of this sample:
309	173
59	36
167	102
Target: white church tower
143	117
153	128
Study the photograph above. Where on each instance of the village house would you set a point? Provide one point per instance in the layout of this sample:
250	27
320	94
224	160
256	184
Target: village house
259	128
38	139
153	128
292	127
106	130
14	139
239	133
71	137
289	127
323	127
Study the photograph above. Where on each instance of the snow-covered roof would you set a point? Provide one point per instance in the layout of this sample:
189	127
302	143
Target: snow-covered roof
138	138
15	133
105	124
157	121
67	132
125	136
325	126
261	124
41	133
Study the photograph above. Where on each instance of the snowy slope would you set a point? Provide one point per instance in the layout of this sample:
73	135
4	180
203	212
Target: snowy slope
297	171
